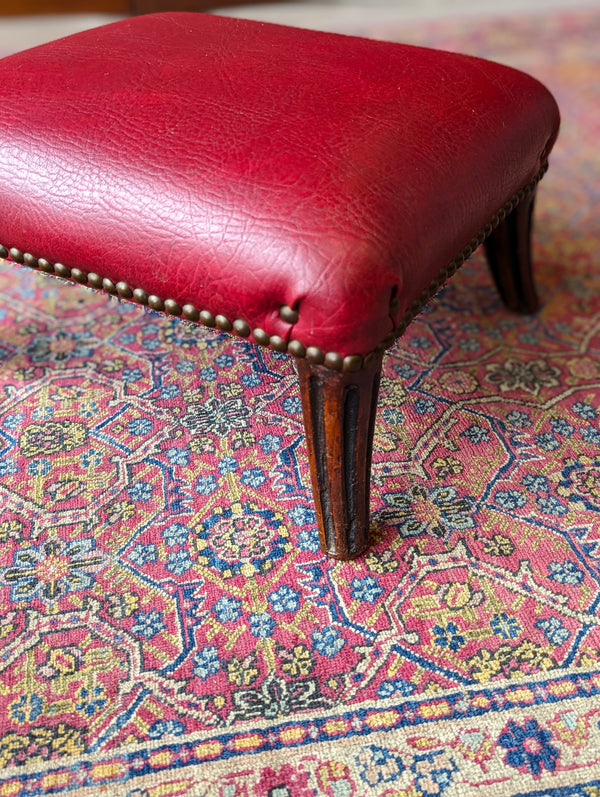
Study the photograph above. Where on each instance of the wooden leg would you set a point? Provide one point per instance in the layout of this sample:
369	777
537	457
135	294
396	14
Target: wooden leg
339	419
508	251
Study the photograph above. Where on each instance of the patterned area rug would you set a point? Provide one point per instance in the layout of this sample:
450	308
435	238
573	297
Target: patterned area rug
169	626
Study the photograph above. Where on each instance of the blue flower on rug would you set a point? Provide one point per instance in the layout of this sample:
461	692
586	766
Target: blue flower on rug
433	772
175	534
378	765
528	747
536	483
178	456
228	609
504	626
585	411
395	688
89	701
142	554
554	630
476	434
148	624
448	637
166	728
26	709
262	625
509	499
519	419
565	573
285	599
366	589
206	662
327	641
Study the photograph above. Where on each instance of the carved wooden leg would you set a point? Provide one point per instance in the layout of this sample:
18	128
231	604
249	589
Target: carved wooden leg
339	419
508	251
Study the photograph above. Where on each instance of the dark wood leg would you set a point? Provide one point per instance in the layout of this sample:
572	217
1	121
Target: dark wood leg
508	251
339	419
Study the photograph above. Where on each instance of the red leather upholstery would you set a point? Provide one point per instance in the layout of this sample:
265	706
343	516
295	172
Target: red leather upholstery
241	166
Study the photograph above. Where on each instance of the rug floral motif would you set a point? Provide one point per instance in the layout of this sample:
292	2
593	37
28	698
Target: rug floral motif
169	625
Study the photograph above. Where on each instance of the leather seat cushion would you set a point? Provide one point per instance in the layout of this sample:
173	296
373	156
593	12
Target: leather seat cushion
241	166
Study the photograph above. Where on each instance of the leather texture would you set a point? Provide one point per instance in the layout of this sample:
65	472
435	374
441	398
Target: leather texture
240	166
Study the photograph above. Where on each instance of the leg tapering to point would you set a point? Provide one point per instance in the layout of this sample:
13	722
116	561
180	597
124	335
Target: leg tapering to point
508	251
339	418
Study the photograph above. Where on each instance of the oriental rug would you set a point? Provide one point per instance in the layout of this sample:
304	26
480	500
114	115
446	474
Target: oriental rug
169	625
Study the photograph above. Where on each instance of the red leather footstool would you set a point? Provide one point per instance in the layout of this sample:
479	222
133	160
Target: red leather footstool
307	191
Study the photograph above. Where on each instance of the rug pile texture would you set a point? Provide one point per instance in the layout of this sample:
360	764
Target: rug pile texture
168	624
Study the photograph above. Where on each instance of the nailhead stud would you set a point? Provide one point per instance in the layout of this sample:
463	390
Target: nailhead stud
140	296
30	260
45	265
296	348
190	312
277	343
260	337
241	328
156	303
172	307
109	286
95	280
207	318
124	290
62	270
334	360
223	323
314	355
79	276
288	314
16	254
352	363
3	252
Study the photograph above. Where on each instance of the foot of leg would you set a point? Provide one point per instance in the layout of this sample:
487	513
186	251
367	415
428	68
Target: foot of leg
339	417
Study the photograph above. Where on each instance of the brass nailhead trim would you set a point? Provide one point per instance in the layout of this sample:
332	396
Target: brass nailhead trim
288	314
109	286
296	348
314	355
277	343
260	337
62	271
172	307
223	323
95	280
124	290
241	328
350	363
156	303
190	312
140	296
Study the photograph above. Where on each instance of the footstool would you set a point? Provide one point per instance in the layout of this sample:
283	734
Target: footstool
306	191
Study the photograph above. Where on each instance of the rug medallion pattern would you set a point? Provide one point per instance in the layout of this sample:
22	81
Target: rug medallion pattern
169	626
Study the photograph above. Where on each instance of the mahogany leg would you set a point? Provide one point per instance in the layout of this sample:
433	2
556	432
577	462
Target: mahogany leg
339	419
508	251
